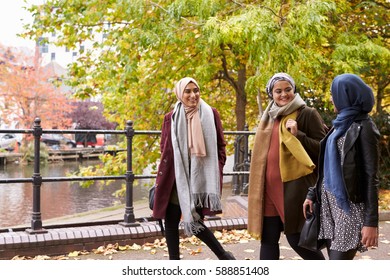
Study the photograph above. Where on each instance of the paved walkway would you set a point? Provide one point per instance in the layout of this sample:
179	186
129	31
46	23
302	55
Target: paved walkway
235	241
143	242
66	234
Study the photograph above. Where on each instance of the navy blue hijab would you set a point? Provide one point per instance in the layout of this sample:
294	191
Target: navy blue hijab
352	98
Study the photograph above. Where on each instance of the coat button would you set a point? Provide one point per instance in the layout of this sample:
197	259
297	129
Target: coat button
160	173
165	160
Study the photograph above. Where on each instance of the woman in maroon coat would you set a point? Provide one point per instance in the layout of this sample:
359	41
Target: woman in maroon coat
189	178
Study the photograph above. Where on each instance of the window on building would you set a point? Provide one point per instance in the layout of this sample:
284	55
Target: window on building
53	56
43	46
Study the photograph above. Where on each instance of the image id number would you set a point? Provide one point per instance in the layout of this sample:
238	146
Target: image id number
220	270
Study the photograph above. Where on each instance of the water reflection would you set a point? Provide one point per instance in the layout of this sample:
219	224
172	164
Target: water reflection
57	198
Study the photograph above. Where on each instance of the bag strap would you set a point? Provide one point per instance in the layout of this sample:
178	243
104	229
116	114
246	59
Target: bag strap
161	227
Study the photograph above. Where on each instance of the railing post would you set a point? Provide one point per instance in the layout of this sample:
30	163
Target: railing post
245	180
129	219
236	183
36	222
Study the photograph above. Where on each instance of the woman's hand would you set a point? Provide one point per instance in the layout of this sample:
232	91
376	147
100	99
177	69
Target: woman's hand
292	126
369	236
307	203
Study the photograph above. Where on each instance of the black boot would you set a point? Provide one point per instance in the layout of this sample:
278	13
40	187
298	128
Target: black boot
227	256
174	257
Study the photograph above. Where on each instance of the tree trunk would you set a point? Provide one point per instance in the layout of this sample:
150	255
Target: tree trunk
241	100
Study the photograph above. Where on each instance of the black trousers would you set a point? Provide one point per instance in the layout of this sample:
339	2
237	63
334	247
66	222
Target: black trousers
269	249
172	220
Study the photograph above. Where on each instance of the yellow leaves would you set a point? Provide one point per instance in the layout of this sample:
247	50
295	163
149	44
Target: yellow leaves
73	254
123	248
192	245
134	247
40	258
193	240
159	243
60	258
233	236
18	258
384	199
78	253
148	246
196	251
111	249
108	250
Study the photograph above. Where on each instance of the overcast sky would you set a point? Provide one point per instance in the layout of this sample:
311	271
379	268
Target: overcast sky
12	19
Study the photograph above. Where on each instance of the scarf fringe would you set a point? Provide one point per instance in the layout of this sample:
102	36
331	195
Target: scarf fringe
192	228
207	200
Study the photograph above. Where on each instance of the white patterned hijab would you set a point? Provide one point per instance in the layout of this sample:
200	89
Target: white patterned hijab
276	78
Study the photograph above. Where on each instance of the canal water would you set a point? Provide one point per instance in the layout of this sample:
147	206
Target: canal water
57	198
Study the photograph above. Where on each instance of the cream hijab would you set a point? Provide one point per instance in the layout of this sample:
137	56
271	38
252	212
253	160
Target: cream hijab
195	134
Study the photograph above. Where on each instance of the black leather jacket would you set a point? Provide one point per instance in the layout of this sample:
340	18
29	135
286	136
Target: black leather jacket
359	161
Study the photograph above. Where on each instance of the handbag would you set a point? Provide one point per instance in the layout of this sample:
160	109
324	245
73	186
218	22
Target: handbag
310	230
152	190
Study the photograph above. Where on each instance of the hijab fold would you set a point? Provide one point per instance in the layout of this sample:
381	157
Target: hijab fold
276	78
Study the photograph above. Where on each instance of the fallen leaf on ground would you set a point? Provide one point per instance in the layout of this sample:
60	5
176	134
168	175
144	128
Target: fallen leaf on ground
42	257
135	247
123	248
249	251
196	251
74	254
296	258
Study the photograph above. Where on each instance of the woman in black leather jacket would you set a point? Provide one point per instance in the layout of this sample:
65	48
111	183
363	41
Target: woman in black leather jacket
347	186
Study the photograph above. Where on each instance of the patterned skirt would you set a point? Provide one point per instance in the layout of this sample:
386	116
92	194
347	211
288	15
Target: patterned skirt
343	229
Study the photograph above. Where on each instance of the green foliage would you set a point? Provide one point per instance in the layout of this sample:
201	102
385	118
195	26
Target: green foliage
382	121
231	47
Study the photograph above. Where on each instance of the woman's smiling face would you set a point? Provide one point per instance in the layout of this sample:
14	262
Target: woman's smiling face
282	93
191	95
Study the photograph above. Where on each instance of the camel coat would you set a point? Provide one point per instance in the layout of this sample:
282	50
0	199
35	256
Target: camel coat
310	131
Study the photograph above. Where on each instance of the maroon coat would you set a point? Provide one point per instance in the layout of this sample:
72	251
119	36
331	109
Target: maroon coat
166	170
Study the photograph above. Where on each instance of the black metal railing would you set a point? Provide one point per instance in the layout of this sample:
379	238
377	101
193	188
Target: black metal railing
241	163
239	174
